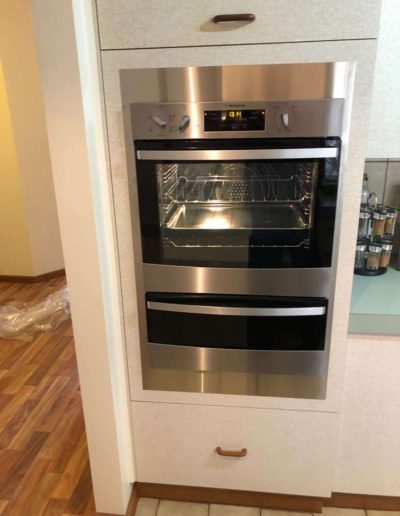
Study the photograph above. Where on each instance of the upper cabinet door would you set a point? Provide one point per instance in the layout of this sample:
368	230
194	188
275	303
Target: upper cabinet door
134	24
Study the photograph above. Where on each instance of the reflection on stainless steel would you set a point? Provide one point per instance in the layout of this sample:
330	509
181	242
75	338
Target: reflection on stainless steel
242	383
209	280
239	360
233	82
225	155
233	310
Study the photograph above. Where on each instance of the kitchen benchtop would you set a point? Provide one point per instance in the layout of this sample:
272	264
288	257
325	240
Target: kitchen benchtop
375	304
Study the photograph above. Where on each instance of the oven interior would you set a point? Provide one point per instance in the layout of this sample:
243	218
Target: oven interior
234	197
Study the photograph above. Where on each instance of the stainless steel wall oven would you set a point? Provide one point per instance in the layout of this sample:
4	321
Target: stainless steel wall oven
234	204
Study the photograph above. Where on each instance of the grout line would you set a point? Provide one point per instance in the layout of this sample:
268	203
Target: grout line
209	509
158	506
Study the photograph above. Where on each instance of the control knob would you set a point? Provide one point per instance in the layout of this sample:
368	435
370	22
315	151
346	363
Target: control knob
285	120
184	123
159	121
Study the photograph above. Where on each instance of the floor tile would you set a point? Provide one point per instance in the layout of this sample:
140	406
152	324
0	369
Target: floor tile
383	513
169	508
147	507
233	510
334	511
271	512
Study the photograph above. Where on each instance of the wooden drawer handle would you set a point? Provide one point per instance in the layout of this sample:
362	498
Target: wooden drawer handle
229	453
222	18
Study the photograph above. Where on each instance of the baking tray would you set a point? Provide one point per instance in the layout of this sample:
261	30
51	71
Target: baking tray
203	216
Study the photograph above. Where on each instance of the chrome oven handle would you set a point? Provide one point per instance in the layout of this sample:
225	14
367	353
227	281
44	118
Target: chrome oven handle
236	310
237	154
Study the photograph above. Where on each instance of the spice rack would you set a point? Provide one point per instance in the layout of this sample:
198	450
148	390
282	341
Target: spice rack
375	240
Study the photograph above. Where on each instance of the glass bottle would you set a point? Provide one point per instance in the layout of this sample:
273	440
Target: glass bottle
365	190
378	223
363	224
390	221
361	255
373	259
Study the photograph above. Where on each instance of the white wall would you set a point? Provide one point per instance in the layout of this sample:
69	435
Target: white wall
384	136
24	95
82	200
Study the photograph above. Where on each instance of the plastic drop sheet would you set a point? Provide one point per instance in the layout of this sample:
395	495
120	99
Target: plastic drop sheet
25	321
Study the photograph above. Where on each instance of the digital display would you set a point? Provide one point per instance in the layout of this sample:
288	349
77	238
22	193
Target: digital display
235	114
234	120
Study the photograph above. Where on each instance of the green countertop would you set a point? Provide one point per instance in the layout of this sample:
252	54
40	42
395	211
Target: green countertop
375	304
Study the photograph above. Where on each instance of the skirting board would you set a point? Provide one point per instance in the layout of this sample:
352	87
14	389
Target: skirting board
361	501
33	279
228	497
257	499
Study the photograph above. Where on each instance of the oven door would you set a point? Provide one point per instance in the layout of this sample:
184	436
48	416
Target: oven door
238	203
257	334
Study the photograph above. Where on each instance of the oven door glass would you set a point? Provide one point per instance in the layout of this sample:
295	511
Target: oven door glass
237	322
238	208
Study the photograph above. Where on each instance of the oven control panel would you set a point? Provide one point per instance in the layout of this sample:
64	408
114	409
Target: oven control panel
302	118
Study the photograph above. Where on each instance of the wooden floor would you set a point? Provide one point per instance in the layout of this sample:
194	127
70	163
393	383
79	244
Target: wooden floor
44	465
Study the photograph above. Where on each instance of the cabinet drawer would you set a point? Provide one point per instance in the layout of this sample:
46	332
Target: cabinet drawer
175	23
289	452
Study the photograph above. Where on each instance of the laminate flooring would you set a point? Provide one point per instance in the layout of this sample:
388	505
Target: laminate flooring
44	463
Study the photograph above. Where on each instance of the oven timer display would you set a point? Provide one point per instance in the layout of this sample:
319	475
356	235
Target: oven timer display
234	120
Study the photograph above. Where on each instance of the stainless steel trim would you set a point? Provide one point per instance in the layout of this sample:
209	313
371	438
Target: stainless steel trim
235	310
190	358
218	155
220	280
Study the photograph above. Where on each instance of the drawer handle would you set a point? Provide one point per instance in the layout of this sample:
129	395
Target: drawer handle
222	18
229	453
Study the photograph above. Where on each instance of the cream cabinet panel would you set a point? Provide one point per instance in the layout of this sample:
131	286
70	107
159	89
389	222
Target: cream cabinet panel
287	451
176	23
385	110
369	442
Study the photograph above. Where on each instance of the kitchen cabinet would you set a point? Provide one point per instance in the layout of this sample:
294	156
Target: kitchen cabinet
369	438
133	24
287	451
291	442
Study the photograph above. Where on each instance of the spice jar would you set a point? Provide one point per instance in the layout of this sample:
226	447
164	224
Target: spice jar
390	221
385	253
378	223
373	259
363	224
361	255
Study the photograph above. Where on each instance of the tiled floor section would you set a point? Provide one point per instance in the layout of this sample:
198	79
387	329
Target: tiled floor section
153	507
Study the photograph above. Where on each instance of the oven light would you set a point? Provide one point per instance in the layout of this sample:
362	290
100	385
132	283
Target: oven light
215	222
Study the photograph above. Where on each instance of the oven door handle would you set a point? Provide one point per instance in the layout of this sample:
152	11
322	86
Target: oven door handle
237	310
237	154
